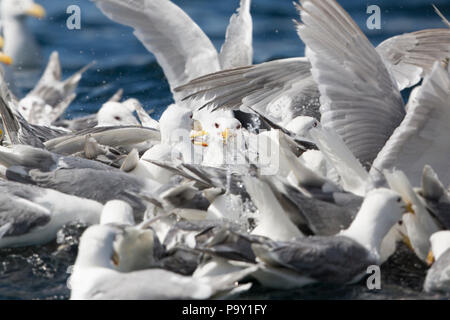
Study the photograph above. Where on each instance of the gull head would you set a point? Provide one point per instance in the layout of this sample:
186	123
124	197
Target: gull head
225	129
116	114
96	247
440	243
11	9
136	249
380	211
175	123
131	104
31	105
118	212
301	126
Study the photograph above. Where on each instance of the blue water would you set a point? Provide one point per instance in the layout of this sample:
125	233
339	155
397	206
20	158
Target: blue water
122	62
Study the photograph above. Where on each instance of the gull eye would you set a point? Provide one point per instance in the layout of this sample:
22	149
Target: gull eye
399	199
315	124
400	223
190	116
238	126
216	125
117	118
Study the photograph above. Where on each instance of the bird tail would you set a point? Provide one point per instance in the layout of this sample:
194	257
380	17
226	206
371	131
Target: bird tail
26	156
53	70
71	83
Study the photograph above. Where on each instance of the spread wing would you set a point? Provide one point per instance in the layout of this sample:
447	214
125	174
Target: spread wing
422	138
181	48
237	51
359	99
259	87
411	56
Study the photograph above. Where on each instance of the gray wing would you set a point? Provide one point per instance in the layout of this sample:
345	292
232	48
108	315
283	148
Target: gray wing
237	51
359	99
99	185
411	56
422	137
51	88
78	124
181	48
336	260
107	136
27	156
260	87
229	244
18	213
20	131
319	211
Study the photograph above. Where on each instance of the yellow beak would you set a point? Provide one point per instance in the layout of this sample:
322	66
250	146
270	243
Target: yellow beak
2	42
198	134
5	59
225	135
115	259
430	258
407	241
36	11
409	207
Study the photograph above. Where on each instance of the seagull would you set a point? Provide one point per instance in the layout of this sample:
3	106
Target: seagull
225	144
438	278
366	134
20	44
32	216
183	50
337	259
274	86
94	276
137	248
51	96
176	124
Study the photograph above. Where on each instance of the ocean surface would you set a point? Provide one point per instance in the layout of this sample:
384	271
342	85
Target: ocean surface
122	62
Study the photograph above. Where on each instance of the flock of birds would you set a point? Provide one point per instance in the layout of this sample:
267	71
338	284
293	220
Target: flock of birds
238	181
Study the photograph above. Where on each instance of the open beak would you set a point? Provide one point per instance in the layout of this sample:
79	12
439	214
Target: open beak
36	11
115	259
197	134
5	59
430	258
200	143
